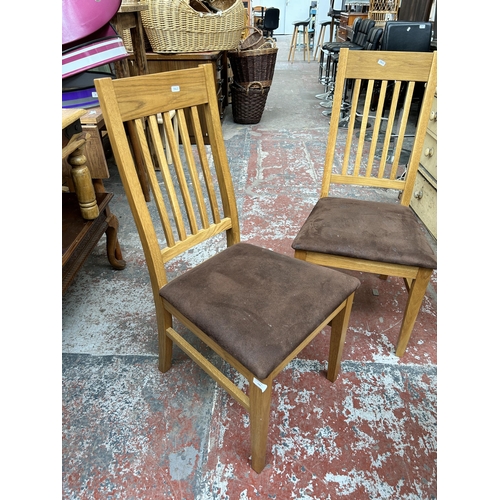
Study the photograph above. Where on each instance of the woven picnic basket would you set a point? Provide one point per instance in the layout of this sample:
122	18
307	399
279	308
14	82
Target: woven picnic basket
248	103
254	65
176	26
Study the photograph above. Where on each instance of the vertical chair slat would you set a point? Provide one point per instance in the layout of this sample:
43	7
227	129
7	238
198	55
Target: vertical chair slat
179	170
388	131
350	129
202	153
191	163
167	178
352	122
362	131
157	145
376	126
402	128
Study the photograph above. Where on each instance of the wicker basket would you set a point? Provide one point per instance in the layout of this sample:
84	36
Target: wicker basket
253	41
253	65
174	26
248	103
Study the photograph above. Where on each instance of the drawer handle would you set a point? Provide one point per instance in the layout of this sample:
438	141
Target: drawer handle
418	194
434	116
429	152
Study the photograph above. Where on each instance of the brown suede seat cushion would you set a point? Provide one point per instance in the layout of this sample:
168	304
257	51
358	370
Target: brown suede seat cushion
370	230
257	304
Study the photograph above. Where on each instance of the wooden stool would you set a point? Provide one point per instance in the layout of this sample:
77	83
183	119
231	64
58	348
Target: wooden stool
321	36
295	36
129	17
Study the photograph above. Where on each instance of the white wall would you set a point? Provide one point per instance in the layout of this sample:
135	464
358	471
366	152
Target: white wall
294	10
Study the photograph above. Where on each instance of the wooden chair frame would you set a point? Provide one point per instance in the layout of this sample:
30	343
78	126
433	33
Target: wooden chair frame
126	104
401	70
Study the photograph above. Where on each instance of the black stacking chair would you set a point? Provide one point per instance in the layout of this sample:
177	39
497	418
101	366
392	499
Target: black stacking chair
407	36
271	22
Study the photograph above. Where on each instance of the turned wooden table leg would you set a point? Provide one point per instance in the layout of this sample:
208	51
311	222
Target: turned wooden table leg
83	184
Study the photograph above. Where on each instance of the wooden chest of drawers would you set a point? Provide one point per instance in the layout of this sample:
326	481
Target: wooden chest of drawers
344	31
424	201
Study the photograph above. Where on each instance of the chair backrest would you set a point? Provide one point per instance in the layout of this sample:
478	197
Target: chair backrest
355	26
193	200
271	19
365	26
373	39
411	36
380	86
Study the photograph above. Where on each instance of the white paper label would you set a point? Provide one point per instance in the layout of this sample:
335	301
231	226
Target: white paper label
260	385
175	88
382	63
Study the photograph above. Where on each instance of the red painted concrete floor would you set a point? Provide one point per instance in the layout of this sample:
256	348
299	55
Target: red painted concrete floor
130	432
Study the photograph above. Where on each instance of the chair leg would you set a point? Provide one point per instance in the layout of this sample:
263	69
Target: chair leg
306	40
339	327
260	407
415	296
320	41
165	343
293	44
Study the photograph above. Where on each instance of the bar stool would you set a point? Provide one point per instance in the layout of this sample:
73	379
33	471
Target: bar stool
295	36
321	36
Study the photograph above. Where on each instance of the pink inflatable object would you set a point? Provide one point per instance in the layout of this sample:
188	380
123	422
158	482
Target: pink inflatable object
81	18
92	55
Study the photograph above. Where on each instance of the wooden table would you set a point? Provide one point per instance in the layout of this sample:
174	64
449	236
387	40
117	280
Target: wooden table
86	215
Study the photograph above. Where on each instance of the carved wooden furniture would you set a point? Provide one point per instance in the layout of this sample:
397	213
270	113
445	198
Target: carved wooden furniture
73	144
255	308
86	215
363	233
